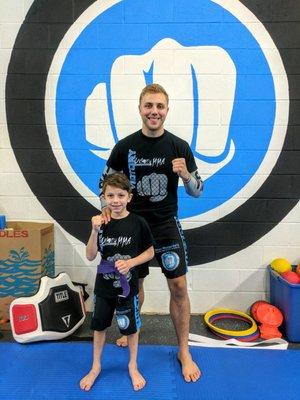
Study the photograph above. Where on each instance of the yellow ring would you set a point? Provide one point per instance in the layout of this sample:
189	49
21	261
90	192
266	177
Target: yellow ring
246	332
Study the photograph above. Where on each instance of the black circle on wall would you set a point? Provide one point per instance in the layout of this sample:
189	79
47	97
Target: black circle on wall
38	38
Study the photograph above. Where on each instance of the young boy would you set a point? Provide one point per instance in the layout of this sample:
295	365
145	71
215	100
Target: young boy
124	244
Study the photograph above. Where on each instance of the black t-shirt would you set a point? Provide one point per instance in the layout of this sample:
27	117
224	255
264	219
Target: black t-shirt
148	164
121	239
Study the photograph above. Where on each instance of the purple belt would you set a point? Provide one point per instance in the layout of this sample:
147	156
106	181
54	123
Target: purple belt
107	267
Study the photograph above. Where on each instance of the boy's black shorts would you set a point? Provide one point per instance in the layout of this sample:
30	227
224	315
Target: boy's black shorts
170	249
127	314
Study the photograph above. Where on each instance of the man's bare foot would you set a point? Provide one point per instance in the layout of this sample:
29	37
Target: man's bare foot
122	341
87	382
190	370
138	381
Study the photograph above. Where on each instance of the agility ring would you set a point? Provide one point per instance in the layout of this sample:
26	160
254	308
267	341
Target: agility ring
246	335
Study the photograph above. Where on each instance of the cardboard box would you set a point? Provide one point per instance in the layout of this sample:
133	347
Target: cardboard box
286	296
26	254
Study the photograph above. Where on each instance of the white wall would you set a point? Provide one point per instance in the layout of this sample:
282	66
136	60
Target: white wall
236	281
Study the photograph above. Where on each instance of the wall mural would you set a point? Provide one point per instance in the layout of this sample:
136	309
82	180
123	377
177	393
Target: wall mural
72	91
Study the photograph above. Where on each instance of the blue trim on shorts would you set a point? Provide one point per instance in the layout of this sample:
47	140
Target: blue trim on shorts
137	317
94	303
183	242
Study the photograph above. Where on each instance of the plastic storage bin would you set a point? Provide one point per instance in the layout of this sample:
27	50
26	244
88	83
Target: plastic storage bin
286	296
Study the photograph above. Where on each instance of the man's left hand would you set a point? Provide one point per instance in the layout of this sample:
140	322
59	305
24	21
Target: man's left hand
179	167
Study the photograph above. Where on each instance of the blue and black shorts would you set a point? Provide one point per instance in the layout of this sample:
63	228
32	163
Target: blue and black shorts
170	249
127	314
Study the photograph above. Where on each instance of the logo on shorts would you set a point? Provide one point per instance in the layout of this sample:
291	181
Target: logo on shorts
122	321
170	260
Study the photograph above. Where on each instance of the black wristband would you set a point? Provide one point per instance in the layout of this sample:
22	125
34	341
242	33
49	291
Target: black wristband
186	180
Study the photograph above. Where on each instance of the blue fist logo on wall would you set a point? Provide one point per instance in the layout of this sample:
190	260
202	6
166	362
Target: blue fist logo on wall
229	100
222	93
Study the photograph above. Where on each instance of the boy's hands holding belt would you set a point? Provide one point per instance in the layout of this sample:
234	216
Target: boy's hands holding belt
123	266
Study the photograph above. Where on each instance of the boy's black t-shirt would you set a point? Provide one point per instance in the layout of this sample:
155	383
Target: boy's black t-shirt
148	164
121	239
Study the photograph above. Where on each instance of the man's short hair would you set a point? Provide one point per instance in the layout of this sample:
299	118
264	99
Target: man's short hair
118	180
153	88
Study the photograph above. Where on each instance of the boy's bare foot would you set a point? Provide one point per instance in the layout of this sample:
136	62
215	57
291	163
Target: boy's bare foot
122	341
87	382
138	381
189	368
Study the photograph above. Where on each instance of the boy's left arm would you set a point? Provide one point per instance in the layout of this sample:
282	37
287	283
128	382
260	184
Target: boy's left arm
123	266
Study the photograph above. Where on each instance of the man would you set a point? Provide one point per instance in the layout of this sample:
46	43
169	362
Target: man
154	160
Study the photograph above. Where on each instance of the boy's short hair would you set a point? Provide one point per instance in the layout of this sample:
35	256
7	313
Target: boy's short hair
118	180
153	88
